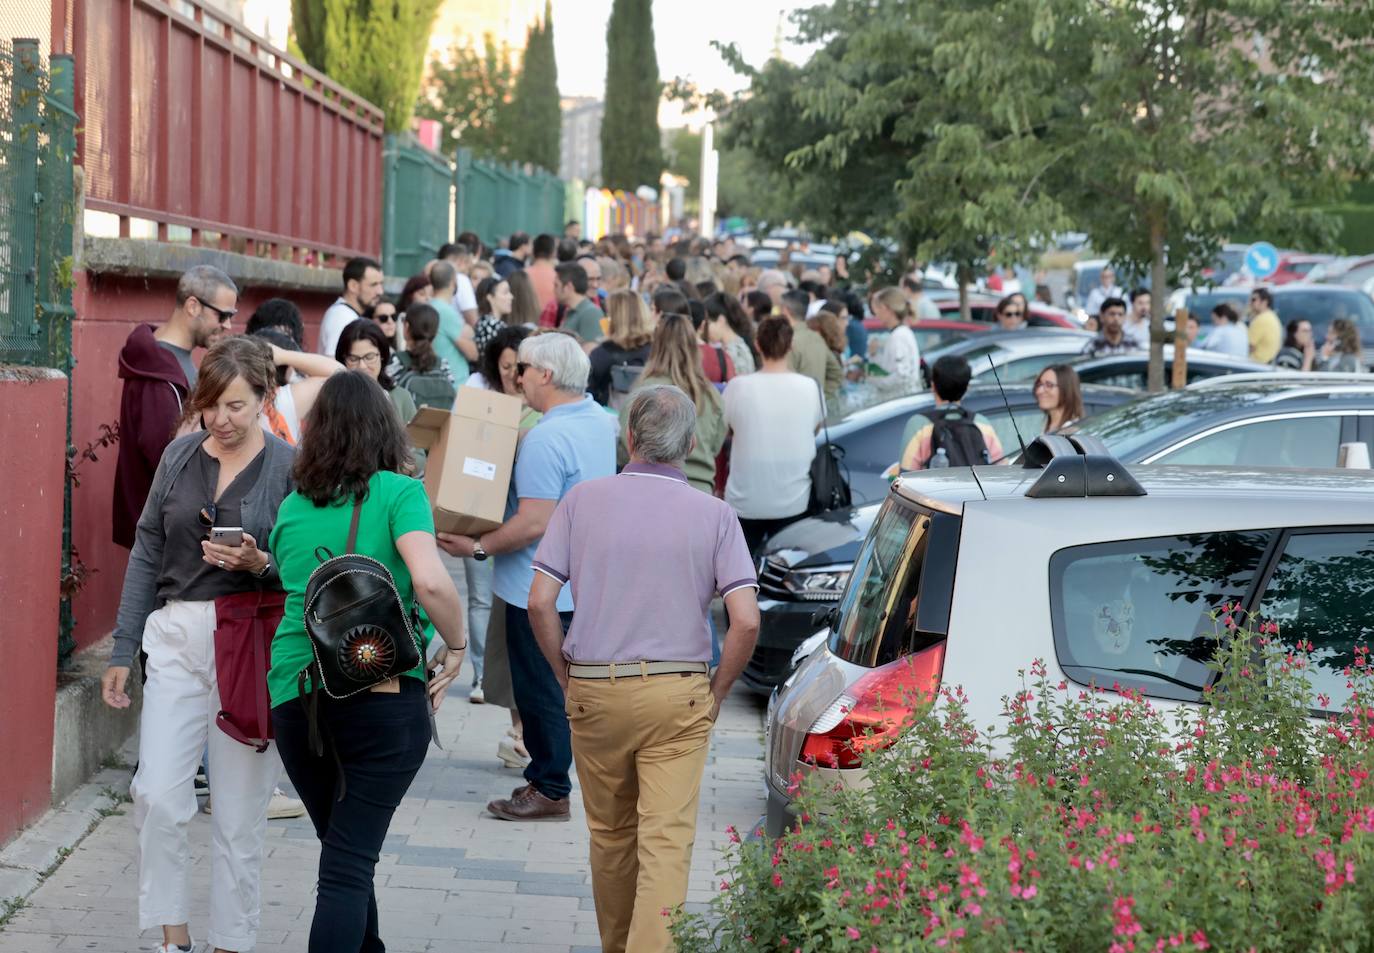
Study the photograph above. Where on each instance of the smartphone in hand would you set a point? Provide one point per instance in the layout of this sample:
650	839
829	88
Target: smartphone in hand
227	535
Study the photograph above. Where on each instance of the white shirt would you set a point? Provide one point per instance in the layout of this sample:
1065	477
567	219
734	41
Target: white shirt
774	419
464	299
339	316
1137	331
901	355
1101	294
1228	339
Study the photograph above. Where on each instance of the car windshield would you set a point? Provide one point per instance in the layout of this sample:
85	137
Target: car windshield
1131	428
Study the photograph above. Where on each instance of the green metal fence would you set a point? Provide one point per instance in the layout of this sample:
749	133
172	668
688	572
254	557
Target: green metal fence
415	210
495	199
37	143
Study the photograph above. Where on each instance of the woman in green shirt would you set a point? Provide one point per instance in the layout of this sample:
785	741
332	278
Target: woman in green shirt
675	358
353	449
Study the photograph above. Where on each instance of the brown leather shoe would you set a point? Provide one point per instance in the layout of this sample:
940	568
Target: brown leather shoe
527	804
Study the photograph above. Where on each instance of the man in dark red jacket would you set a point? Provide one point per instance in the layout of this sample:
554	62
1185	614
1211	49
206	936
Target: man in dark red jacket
158	375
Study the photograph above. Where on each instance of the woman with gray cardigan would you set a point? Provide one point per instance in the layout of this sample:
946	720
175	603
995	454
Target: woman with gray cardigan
231	474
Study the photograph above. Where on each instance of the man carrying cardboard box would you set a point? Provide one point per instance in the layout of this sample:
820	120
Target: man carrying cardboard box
573	441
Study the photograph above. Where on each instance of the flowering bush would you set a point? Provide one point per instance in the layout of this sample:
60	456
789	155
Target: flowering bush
1091	822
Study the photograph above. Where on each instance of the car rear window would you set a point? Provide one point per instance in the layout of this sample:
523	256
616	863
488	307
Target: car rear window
1138	613
898	598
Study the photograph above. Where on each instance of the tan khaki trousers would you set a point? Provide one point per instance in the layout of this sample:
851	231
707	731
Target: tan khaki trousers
640	746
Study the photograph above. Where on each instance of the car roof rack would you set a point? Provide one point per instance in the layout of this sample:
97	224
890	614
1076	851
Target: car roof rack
1077	466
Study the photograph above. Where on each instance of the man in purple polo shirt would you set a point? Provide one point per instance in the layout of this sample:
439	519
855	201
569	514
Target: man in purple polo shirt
644	553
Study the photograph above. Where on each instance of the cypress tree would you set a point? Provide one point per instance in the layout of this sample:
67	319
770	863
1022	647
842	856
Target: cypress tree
538	128
631	150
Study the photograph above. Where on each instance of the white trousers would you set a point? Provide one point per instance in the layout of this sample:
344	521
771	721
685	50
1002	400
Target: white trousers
180	702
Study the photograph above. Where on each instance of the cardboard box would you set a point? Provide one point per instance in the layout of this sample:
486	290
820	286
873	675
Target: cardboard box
471	457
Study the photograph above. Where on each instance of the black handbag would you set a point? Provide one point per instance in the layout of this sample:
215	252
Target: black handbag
360	632
829	476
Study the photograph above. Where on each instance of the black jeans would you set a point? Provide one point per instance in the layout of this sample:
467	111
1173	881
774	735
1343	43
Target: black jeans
540	702
381	739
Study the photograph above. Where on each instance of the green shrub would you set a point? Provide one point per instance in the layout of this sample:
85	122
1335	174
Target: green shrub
1090	821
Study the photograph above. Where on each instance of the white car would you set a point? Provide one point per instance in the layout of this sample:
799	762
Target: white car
1110	575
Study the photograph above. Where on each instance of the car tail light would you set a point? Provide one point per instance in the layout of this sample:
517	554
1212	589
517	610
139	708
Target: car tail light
872	712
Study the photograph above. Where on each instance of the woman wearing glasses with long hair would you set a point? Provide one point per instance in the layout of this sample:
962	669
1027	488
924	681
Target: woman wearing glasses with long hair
230	474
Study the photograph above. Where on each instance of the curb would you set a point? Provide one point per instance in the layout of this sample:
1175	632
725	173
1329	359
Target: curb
36	852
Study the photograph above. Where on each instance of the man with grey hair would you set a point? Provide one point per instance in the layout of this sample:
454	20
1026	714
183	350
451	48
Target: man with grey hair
158	375
573	441
774	283
644	553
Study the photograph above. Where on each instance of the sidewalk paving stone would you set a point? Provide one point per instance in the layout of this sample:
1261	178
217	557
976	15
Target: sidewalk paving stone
451	878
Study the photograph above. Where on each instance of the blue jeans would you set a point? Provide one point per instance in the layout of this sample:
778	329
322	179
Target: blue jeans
380	739
478	576
540	702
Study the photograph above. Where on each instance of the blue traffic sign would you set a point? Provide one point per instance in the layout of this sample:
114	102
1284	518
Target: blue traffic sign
1261	260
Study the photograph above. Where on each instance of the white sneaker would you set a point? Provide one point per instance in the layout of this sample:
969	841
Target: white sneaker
173	948
477	697
283	807
510	756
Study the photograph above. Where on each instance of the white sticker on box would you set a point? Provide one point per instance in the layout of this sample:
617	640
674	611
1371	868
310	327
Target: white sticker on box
479	468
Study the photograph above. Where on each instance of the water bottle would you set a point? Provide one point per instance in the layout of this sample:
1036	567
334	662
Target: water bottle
940	461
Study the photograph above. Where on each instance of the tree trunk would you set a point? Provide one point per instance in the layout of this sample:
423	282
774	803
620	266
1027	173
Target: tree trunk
1158	302
964	277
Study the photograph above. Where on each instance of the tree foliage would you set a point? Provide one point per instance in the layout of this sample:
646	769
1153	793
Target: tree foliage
470	93
377	50
683	157
631	153
537	116
1160	128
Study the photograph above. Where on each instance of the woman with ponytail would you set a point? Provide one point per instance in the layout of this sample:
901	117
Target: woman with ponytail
423	372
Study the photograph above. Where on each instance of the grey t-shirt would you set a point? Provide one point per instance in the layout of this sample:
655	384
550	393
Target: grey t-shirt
185	574
183	357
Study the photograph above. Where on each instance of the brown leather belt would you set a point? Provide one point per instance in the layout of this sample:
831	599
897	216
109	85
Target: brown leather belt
614	670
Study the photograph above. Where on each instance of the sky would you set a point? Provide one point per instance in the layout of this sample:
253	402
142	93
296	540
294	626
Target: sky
683	31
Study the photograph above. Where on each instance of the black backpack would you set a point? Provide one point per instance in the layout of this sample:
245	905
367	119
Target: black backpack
624	377
961	438
360	632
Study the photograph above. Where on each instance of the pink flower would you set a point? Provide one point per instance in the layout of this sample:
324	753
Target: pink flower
1029	892
853	933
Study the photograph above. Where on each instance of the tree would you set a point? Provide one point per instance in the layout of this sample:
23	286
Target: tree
683	157
537	130
375	49
1162	128
631	153
471	94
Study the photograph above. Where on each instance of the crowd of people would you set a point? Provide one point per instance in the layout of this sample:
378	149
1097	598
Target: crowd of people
1122	323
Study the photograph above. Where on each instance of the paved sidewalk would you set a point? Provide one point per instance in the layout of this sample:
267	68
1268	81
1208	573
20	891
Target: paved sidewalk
451	878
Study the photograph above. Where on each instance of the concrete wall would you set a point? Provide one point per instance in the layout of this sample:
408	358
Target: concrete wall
122	283
33	433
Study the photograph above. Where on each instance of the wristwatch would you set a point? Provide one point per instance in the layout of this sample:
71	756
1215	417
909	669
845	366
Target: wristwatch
478	553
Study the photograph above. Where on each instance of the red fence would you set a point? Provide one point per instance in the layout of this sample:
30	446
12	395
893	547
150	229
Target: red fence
189	121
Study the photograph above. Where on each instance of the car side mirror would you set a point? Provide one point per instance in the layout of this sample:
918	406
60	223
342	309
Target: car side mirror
826	617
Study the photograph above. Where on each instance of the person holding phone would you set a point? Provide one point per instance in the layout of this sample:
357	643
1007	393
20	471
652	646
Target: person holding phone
201	536
354	450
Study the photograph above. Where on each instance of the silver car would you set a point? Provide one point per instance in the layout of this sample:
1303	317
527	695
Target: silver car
1109	575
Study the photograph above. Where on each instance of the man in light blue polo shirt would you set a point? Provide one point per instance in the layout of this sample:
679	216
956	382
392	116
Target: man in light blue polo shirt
573	441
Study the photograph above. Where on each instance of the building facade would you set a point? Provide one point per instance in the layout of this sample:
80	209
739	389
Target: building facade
581	147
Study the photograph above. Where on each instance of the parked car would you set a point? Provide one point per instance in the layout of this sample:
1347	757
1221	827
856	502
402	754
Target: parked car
1274	420
1018	355
1087	275
1297	420
1318	304
807	563
1295	266
983	308
969	575
1132	370
932	334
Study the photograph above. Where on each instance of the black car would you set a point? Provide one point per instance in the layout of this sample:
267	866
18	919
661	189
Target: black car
806	565
872	438
1292	420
